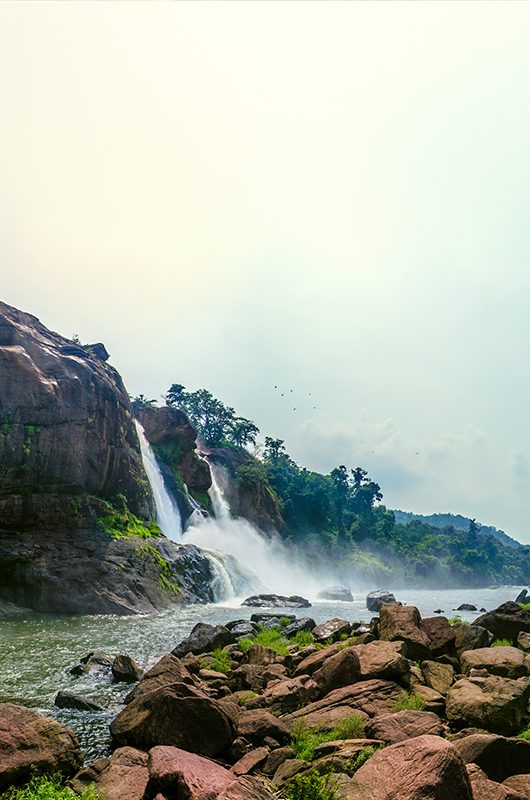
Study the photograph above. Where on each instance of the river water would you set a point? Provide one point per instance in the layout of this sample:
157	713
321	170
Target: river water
36	653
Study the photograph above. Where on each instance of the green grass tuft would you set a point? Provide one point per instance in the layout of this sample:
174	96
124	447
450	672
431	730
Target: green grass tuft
47	787
362	758
220	663
409	702
268	638
501	643
303	638
311	786
305	739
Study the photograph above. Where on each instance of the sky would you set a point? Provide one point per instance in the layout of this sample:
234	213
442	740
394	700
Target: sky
327	197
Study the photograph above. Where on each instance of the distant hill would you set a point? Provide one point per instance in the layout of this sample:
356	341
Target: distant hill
457	521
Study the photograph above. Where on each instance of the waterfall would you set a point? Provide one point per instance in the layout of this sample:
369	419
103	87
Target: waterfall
167	511
221	509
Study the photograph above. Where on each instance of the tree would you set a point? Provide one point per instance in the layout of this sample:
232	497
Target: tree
273	448
474	526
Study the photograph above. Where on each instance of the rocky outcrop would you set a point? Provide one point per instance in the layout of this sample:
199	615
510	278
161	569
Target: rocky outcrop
71	458
375	599
494	704
506	621
30	741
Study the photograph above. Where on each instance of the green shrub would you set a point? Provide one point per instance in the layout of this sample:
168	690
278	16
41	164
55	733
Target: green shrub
525	606
501	643
311	786
221	661
285	621
303	638
409	702
47	787
305	739
270	638
525	734
362	758
120	523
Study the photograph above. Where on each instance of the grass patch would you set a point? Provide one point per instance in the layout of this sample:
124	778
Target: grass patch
409	702
246	696
305	739
501	643
525	606
47	787
311	787
271	638
303	639
347	642
220	661
166	573
362	758
525	734
120	523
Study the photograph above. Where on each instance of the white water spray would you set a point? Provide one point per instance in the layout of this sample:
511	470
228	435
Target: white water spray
167	511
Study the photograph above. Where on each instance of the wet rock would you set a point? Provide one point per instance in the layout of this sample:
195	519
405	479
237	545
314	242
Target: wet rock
495	704
498	756
341	669
466	607
243	628
333	629
124	775
204	638
423	768
470	637
375	599
79	702
402	623
506	621
93	662
125	668
522	597
508	662
303	624
178	715
339	593
29	741
276	601
268	617
401	725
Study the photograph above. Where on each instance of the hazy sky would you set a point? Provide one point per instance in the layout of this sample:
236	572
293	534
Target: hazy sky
330	197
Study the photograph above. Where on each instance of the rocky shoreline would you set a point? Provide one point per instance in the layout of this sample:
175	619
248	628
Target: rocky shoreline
404	708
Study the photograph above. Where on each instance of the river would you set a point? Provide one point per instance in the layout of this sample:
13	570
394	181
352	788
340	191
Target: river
37	653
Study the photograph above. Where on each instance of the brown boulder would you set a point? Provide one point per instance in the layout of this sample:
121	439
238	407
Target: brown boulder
125	774
506	621
257	724
401	725
424	768
470	637
497	756
250	761
439	677
495	704
177	715
178	773
440	633
380	659
341	669
484	789
29	741
519	783
247	789
169	669
508	662
286	695
315	660
333	629
402	623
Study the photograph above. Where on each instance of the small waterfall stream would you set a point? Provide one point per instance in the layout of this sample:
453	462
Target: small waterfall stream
167	511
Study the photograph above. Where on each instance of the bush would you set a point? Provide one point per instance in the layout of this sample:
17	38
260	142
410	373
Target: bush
501	643
305	739
409	702
47	787
220	661
303	638
525	734
311	787
268	638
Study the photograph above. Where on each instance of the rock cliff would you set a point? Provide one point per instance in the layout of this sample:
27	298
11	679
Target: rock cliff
70	457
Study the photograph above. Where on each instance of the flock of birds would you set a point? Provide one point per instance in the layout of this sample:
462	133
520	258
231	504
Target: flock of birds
283	394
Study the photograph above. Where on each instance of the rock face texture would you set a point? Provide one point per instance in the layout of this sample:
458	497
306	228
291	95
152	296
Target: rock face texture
68	449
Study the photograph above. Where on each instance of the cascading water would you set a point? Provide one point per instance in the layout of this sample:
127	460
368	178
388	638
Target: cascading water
167	511
242	560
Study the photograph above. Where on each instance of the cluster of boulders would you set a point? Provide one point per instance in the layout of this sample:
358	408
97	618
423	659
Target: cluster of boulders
437	712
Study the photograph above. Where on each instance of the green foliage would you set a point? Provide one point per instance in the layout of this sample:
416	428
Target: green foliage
246	696
167	576
120	523
220	661
362	758
303	638
501	643
305	739
409	702
6	426
47	787
216	423
252	473
141	401
456	620
525	606
525	734
311	786
271	638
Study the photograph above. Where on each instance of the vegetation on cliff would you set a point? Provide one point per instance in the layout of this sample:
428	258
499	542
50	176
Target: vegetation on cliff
343	512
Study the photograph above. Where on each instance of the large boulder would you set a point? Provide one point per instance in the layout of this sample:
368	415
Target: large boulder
30	741
177	715
508	662
79	702
169	669
470	637
484	789
124	775
367	698
126	670
178	773
402	623
506	621
341	669
375	599
204	638
276	601
340	593
286	695
332	630
497	756
519	783
440	633
382	659
439	677
258	724
494	704
401	725
315	660
423	768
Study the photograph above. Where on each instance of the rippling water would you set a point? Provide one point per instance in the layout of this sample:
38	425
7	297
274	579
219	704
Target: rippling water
37	653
